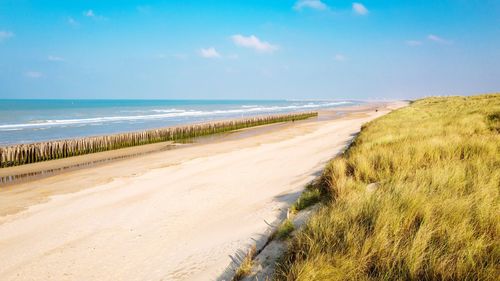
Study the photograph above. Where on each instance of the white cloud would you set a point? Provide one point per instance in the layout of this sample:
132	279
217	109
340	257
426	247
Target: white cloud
33	74
438	39
359	9
89	14
54	58
209	53
413	43
4	35
92	15
339	57
254	43
311	4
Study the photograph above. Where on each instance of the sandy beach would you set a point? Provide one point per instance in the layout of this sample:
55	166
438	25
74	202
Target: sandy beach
181	214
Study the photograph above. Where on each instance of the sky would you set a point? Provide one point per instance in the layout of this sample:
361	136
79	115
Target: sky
253	49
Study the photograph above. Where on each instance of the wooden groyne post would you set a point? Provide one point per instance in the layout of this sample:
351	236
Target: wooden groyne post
42	151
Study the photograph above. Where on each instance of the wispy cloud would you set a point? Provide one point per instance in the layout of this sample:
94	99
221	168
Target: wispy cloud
339	57
254	43
209	53
437	39
413	43
54	58
359	9
33	74
310	4
4	35
91	14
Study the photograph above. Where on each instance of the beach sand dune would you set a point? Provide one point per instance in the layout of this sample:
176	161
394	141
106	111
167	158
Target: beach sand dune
182	214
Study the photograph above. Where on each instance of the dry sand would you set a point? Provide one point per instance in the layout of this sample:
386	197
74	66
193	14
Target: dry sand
182	214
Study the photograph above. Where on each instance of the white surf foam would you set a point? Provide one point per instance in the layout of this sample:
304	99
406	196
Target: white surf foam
166	114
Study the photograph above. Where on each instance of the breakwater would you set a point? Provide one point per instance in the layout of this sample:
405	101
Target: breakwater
21	154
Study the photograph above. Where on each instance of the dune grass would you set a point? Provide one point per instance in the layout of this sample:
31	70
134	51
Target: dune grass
284	230
246	264
435	211
309	197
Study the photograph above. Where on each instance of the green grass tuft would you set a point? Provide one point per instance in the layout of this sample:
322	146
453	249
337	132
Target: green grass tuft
435	211
308	198
284	230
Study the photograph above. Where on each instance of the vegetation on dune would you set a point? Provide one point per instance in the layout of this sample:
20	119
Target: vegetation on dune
309	197
284	230
246	264
415	198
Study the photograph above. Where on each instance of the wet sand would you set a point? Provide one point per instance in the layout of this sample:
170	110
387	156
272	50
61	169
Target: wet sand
180	214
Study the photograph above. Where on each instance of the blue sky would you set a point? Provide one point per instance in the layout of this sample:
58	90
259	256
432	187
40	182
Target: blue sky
251	49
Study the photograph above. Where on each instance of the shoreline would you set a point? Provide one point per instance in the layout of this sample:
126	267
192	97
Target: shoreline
23	154
180	214
14	175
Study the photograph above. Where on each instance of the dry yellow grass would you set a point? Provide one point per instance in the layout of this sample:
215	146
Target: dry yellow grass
434	213
246	264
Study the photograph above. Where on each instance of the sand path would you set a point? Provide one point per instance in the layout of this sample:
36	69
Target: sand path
173	215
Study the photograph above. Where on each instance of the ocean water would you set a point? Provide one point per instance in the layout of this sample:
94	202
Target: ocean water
26	121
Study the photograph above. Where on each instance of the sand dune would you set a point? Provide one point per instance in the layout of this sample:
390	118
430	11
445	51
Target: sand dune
182	214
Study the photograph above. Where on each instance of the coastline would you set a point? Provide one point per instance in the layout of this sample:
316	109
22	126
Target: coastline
28	172
33	121
22	154
167	212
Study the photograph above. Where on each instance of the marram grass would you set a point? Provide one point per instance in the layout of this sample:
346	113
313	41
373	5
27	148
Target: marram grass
36	152
434	212
309	197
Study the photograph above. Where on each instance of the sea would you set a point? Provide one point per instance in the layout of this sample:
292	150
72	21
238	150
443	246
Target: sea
28	121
